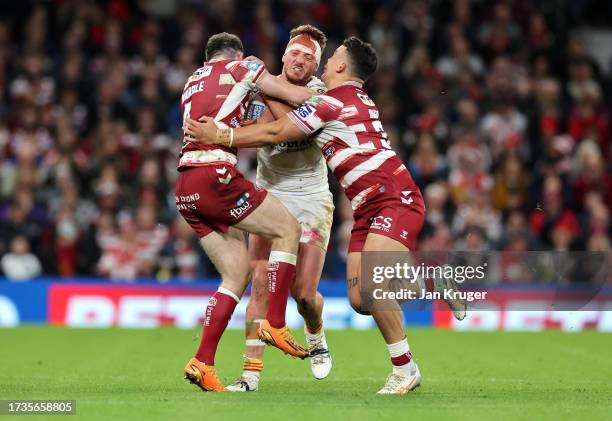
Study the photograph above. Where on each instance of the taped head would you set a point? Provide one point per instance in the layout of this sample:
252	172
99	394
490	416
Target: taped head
305	44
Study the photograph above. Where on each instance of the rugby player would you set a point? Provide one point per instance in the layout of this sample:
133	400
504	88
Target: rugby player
388	206
296	173
220	205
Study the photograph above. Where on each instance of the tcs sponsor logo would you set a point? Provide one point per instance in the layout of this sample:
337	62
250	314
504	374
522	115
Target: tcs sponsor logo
383	223
305	110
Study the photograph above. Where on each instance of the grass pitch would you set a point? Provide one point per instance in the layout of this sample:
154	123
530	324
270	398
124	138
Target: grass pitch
137	375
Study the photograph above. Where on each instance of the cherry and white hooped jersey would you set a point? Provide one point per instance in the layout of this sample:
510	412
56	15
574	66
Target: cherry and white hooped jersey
219	89
347	129
291	167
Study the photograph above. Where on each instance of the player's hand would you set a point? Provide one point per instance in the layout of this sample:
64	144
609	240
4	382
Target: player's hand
255	59
203	130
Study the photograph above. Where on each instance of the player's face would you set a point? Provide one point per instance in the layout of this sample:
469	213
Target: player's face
334	64
299	66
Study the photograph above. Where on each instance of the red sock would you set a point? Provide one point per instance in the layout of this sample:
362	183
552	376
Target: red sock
401	359
281	273
218	313
400	353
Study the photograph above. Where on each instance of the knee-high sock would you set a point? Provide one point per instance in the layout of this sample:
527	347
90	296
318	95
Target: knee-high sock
218	313
281	274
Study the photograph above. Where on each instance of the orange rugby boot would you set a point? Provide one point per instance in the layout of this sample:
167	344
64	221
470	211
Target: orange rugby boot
282	339
204	376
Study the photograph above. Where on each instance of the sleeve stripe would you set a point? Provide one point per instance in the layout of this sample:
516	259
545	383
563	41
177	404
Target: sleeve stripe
307	124
259	74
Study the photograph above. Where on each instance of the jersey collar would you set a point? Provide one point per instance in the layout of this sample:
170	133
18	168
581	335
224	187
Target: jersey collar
352	83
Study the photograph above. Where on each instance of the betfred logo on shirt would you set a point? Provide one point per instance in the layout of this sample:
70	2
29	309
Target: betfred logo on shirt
382	223
242	205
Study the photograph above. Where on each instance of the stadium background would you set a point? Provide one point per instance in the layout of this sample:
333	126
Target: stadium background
498	108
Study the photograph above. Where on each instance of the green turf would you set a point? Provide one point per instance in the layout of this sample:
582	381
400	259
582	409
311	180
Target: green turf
137	374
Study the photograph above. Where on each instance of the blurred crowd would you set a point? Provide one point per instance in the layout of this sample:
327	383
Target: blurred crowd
498	108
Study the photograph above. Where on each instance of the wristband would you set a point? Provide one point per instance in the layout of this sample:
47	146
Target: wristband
223	137
231	141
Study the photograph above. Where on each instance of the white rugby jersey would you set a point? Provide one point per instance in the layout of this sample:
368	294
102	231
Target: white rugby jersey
346	127
291	167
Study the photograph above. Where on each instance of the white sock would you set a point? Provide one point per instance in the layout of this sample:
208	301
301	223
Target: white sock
312	335
254	342
252	367
398	350
254	375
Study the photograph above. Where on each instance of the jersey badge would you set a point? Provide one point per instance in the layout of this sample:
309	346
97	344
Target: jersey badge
253	66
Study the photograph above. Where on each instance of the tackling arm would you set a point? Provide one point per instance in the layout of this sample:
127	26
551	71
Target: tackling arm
252	136
277	108
267	116
281	89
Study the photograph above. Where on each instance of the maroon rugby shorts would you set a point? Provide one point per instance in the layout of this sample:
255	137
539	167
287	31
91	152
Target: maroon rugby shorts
214	197
400	218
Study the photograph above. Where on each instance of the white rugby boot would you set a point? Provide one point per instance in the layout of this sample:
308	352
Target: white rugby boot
400	382
320	357
248	382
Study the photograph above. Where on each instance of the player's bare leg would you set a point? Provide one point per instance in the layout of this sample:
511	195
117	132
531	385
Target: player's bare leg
259	252
252	366
309	300
457	305
228	252
304	291
405	376
273	221
310	306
